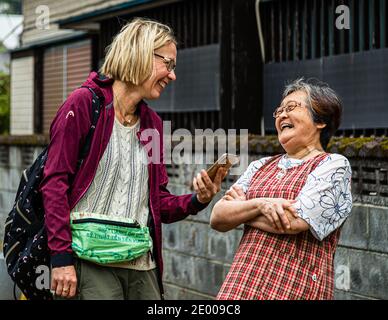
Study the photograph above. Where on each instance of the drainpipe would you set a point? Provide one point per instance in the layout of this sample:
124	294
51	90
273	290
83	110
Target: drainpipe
262	49
260	30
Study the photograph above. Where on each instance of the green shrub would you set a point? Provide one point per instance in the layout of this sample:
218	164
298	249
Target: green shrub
4	102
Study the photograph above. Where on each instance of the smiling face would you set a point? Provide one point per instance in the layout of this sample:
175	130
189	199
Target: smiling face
153	87
296	129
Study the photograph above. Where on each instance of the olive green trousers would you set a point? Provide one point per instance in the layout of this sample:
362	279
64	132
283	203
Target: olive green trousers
96	282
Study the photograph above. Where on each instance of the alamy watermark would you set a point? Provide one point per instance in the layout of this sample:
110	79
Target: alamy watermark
342	278
203	147
42	281
42	22
343	20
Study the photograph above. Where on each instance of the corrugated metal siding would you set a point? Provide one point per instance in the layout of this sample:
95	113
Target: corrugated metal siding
22	95
65	68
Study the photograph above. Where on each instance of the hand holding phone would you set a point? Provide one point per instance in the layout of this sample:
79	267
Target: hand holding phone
227	160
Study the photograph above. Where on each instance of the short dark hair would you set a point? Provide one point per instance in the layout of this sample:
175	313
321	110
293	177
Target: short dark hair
324	104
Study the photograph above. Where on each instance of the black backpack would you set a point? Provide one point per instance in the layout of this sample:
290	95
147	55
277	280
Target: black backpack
25	240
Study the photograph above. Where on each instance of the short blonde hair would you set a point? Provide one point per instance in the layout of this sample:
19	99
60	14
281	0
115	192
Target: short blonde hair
130	56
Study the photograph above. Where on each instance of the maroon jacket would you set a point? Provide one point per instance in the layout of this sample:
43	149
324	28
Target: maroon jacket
63	186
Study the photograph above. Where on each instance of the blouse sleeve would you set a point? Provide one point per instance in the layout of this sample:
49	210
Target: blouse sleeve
246	177
326	200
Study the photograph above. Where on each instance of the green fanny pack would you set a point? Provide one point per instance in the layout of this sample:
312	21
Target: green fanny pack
102	239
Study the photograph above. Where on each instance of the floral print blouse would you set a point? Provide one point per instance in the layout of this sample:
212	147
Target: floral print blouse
325	201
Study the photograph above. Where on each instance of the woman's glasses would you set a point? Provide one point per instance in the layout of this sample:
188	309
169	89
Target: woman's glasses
170	63
291	105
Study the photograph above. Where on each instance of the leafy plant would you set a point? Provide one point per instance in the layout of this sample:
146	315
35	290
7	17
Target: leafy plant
4	102
11	6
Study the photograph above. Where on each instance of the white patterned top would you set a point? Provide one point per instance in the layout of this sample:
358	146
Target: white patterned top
120	186
325	201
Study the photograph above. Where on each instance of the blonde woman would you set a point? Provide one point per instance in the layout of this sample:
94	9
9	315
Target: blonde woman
119	177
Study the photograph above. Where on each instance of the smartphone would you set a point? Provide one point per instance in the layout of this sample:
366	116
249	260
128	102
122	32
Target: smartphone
227	160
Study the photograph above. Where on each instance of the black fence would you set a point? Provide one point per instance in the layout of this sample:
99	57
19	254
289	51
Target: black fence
306	29
295	32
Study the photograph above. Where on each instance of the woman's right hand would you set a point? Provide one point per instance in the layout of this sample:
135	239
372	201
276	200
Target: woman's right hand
64	281
275	210
235	193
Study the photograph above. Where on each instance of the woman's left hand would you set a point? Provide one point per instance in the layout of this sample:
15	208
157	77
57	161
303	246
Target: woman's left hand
205	188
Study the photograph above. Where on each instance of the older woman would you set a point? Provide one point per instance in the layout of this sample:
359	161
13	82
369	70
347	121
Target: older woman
292	205
123	175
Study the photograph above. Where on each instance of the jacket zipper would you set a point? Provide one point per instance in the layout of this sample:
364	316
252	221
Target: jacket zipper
150	195
21	213
95	170
161	289
152	215
109	222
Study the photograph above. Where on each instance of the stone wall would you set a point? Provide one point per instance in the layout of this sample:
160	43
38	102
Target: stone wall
362	257
197	258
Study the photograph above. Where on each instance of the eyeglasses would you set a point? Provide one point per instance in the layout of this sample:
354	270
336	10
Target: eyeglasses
170	63
291	105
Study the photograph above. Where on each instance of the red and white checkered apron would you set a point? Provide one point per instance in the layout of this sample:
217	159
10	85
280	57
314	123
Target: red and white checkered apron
272	266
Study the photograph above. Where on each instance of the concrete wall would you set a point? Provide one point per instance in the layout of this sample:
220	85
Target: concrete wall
198	258
6	284
362	256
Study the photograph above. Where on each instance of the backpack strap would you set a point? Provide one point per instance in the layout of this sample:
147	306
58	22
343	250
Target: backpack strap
96	110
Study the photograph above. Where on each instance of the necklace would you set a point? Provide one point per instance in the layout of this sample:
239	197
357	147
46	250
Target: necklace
125	122
283	171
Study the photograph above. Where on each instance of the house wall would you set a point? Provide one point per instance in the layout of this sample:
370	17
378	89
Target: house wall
22	96
58	10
